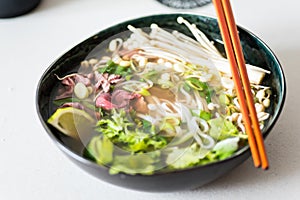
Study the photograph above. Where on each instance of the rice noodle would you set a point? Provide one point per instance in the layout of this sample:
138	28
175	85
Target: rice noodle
187	95
133	85
194	128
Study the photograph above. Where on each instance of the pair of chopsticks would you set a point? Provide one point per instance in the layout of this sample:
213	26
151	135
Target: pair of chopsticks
240	77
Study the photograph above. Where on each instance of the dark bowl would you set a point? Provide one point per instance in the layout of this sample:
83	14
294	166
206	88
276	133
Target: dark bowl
9	8
256	52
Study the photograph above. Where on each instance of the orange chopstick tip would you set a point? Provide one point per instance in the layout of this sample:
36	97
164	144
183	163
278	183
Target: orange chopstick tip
257	165
265	167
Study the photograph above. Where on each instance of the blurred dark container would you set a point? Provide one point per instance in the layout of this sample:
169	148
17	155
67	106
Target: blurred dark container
13	8
184	4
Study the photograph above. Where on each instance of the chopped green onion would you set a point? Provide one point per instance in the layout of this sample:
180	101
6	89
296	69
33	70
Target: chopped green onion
205	115
144	92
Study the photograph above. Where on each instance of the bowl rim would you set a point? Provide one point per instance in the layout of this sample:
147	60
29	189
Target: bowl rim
245	149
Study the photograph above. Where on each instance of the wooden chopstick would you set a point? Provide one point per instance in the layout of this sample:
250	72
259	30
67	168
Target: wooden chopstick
235	56
245	80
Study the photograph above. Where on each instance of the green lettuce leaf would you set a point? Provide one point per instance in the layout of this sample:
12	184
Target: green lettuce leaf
186	157
128	134
100	149
135	164
221	129
226	148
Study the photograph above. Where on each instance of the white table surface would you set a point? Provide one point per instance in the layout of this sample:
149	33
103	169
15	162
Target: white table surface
32	167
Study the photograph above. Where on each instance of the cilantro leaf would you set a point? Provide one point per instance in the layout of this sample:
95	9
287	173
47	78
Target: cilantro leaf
114	68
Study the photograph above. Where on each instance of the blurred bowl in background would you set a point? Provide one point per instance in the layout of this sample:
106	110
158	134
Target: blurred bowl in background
14	8
184	4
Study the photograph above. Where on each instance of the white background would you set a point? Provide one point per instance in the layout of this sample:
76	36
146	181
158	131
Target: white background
32	167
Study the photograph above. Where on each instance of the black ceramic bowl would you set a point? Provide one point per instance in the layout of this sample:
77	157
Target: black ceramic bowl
256	52
13	8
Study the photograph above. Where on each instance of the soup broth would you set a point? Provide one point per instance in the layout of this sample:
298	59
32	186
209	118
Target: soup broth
151	100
